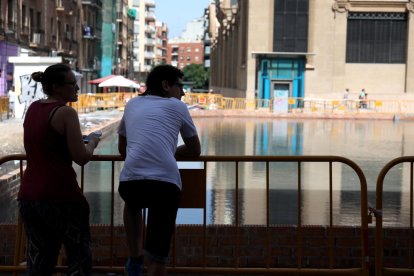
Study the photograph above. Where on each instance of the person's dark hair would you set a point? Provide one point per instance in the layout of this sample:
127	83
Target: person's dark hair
54	74
161	72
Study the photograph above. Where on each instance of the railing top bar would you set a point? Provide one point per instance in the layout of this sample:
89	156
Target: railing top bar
217	158
386	169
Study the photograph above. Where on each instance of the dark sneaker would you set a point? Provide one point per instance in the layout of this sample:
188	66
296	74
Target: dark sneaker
133	269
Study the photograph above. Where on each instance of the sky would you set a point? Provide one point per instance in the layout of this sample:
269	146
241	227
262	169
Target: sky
177	13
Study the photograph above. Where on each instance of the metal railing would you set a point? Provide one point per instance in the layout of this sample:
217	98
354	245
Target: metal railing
194	195
379	214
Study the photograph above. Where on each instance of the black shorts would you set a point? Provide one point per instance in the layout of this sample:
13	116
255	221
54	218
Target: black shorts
162	200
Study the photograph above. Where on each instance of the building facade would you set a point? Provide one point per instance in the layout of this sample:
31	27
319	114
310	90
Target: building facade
312	48
144	43
66	28
161	41
39	27
181	54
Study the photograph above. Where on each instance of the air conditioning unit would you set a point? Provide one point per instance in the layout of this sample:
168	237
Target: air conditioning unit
35	39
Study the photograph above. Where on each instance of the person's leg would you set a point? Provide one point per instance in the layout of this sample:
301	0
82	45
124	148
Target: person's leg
41	222
133	224
160	226
156	268
134	230
77	239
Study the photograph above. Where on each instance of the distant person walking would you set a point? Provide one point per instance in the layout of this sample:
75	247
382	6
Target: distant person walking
361	98
53	207
148	138
346	94
12	98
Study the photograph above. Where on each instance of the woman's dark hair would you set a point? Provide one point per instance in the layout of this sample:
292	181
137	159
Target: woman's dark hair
54	74
161	72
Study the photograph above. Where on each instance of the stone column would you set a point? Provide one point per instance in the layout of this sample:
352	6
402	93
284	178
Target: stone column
340	9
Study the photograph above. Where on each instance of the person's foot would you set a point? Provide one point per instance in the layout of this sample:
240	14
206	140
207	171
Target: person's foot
133	269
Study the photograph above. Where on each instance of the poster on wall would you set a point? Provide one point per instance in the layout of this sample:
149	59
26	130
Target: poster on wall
30	91
280	97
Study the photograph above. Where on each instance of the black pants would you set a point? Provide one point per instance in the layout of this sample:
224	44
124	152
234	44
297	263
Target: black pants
48	225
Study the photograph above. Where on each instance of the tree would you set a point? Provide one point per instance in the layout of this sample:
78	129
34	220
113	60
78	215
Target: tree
197	74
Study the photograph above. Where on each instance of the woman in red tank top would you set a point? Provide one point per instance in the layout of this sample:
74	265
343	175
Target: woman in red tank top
52	205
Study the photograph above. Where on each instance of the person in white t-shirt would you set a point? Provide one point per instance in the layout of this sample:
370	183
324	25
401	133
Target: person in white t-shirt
148	138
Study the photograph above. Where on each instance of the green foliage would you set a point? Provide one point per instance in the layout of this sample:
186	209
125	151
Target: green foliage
197	74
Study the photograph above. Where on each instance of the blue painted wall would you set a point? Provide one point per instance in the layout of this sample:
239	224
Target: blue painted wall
283	69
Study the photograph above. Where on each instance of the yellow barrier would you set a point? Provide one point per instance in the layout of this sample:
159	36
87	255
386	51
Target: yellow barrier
92	102
4	107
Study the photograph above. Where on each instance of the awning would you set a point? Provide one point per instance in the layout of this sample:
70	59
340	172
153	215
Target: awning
282	54
98	81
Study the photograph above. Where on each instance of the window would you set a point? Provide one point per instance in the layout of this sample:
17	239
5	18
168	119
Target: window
290	31
376	37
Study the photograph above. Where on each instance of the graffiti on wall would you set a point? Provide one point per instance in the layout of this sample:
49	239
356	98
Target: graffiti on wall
30	91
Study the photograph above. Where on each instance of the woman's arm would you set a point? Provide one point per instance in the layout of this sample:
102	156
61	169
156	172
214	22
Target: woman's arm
122	142
66	122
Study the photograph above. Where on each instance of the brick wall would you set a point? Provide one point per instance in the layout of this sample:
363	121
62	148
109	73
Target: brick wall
249	246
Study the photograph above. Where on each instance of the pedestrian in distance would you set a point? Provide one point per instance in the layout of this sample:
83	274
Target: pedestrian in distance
12	98
148	138
361	98
51	203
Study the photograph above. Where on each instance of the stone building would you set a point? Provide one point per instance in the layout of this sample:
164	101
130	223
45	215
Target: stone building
312	48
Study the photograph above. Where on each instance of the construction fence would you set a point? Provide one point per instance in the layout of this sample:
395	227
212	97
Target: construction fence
207	101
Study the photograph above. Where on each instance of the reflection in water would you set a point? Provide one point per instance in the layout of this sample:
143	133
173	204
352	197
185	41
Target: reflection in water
371	144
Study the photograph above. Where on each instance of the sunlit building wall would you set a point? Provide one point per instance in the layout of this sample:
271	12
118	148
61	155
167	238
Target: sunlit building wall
38	28
144	38
312	48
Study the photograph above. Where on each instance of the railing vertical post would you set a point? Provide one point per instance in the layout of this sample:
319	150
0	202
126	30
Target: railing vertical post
268	246
330	230
299	252
410	235
205	224
237	215
111	247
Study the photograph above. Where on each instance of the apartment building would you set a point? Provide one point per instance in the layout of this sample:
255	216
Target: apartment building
37	27
65	28
188	48
144	41
161	41
312	48
182	53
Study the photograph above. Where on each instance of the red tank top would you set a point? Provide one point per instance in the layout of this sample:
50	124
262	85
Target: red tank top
49	174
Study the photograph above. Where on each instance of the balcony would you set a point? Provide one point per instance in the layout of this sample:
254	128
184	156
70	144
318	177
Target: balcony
119	17
36	40
150	3
149	42
150	16
149	55
59	6
68	36
93	3
150	29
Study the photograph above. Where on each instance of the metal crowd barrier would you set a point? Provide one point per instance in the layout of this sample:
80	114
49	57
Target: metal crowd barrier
380	267
194	195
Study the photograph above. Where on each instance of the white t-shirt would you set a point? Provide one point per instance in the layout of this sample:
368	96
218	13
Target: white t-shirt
12	96
151	125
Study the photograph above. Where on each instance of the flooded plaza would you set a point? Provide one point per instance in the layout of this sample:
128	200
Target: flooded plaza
369	143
